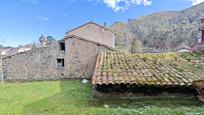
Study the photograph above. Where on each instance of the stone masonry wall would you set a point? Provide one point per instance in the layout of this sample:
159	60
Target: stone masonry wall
38	64
1	71
41	64
82	56
95	33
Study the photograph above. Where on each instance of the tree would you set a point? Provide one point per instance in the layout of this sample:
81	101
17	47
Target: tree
50	39
136	46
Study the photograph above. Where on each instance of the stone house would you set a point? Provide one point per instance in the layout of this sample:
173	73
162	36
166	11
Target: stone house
70	58
95	32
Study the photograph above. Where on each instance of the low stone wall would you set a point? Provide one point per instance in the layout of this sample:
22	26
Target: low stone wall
38	64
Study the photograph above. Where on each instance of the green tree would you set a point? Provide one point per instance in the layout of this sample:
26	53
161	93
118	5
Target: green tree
136	46
50	39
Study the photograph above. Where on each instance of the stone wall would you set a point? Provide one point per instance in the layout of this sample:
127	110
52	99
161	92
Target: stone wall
1	71
119	91
0	59
41	64
82	56
38	64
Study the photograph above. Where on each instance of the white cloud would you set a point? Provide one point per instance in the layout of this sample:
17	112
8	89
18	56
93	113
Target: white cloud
147	3
30	1
43	18
121	5
195	2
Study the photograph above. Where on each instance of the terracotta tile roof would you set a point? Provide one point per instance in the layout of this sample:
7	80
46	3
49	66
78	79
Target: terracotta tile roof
141	69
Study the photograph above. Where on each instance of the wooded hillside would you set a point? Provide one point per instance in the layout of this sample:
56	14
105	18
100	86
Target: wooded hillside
164	31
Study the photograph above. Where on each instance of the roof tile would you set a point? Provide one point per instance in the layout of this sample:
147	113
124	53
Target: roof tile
141	69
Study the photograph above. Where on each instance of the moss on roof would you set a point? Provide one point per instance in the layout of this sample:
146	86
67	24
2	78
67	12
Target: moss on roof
142	69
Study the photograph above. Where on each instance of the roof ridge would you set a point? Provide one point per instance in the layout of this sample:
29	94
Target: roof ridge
87	24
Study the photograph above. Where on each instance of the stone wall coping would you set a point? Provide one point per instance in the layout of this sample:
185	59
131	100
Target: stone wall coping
9	56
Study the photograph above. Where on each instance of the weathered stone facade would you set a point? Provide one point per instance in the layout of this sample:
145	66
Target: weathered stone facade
82	55
95	32
0	59
41	64
1	71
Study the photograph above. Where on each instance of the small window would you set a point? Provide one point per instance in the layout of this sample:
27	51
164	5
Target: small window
62	46
60	62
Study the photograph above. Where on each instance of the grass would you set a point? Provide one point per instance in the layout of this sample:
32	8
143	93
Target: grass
73	97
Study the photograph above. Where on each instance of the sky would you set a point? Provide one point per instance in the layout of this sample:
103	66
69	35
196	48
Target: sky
24	21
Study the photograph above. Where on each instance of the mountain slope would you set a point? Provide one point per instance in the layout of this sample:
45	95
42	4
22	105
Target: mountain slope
164	30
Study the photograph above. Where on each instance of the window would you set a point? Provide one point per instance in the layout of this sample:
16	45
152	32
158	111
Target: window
60	62
62	46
